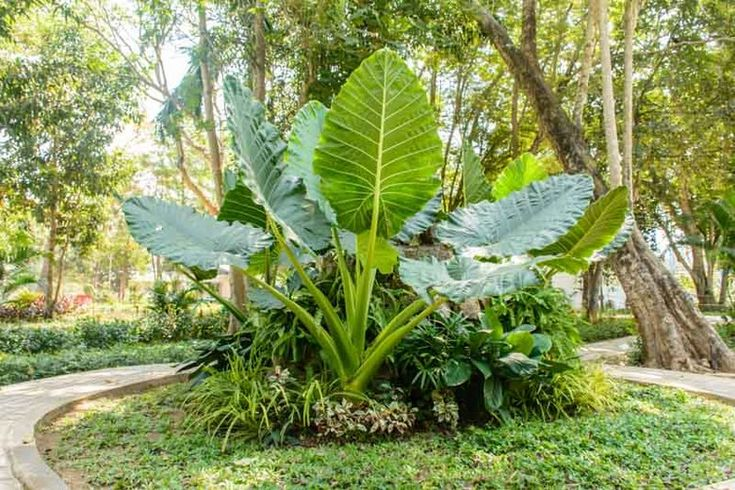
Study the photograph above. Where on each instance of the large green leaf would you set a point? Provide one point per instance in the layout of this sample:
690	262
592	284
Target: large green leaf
386	255
517	175
305	131
617	243
239	206
186	237
462	278
259	149
475	186
531	218
379	150
596	228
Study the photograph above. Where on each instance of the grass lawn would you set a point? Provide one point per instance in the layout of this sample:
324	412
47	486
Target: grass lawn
655	438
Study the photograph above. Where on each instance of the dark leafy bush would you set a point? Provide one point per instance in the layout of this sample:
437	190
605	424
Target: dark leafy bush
103	335
607	328
488	369
17	368
31	340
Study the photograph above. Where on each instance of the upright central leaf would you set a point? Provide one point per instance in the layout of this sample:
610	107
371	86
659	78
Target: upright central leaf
379	149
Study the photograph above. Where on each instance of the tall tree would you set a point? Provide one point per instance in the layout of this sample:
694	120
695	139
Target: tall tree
61	99
674	333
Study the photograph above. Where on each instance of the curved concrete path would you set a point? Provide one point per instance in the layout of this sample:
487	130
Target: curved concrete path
25	405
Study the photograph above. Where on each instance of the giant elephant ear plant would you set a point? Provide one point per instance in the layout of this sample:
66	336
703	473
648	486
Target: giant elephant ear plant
364	172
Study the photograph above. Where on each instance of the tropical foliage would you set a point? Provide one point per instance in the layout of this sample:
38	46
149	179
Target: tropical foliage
375	161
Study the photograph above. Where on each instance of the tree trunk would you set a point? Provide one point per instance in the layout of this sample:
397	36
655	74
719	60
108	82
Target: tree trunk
60	273
48	265
258	63
674	333
514	130
631	15
215	157
586	69
187	180
591	292
724	285
608	97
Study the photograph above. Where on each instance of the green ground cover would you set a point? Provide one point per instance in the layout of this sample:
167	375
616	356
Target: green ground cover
654	438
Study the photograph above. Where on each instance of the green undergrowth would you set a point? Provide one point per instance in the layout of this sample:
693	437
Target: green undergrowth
15	368
607	329
654	438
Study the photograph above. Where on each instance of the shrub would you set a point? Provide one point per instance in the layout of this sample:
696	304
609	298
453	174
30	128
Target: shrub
29	305
32	340
490	370
546	308
727	332
17	368
253	400
102	335
607	328
562	394
348	420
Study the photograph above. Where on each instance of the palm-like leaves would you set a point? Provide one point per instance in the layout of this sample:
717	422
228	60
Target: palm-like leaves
379	150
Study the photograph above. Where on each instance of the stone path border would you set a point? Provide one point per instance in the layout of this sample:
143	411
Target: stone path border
24	406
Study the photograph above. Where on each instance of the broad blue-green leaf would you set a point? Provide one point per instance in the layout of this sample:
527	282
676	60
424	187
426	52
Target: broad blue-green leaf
385	256
262	299
492	394
457	372
541	344
186	237
259	149
239	206
421	221
305	131
475	186
531	218
462	278
379	150
517	175
595	229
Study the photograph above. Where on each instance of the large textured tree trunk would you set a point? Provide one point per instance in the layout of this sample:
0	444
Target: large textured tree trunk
674	333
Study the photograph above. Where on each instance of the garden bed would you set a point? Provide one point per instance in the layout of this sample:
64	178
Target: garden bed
653	438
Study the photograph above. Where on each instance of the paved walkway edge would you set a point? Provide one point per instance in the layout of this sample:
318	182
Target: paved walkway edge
26	463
